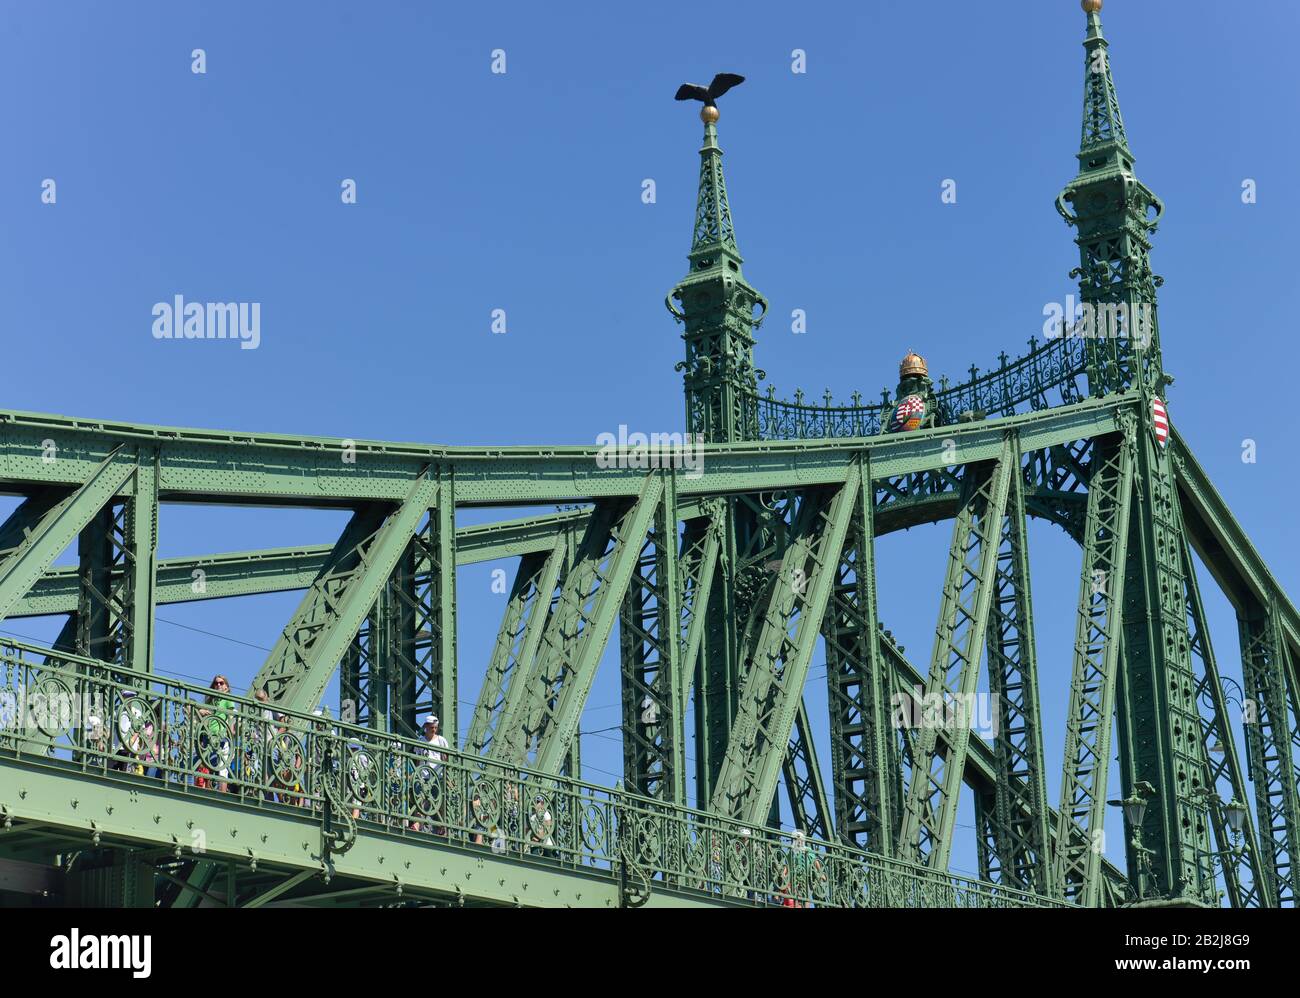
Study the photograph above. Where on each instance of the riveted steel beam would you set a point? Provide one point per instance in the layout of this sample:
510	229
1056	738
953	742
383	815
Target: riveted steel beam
864	760
527	607
1020	852
40	533
232	468
298	668
653	682
543	721
939	749
1239	857
781	652
1269	746
1091	712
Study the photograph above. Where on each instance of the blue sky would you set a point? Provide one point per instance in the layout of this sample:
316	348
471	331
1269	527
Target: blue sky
522	191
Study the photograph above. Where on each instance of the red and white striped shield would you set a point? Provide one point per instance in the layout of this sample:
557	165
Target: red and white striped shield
1160	420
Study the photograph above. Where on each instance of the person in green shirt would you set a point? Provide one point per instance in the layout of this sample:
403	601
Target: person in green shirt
800	873
214	734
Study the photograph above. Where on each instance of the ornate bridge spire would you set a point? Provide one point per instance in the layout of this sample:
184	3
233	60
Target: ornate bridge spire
1115	214
715	303
1102	122
714	232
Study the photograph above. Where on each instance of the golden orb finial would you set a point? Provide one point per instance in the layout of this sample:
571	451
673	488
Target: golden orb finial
710	114
912	366
1091	6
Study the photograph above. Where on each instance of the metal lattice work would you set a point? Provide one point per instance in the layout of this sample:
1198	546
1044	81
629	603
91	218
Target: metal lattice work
939	753
1091	712
724	582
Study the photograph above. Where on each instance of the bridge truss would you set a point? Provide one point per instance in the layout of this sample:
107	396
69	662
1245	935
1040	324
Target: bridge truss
723	585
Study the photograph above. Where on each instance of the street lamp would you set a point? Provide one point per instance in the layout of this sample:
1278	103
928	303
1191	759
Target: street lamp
1135	809
1135	812
1234	812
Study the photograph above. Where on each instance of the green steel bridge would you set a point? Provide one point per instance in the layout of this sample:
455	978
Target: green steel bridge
120	786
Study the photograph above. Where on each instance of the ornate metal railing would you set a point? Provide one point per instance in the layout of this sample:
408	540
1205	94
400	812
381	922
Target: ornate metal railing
70	712
1045	376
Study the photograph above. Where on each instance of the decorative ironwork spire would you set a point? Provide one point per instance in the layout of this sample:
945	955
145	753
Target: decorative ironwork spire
1115	214
717	306
1103	124
714	231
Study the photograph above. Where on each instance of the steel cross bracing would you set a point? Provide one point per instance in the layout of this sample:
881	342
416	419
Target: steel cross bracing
939	751
1090	715
865	767
1243	869
1047	490
1016	841
1160	730
778	658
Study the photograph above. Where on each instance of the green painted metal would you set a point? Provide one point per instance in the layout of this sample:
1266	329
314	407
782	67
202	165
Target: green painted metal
543	721
1090	718
864	765
298	667
1160	743
809	803
526	610
1114	214
568	852
721	585
716	306
653	680
1269	744
40	534
422	623
939	750
780	655
1018	850
248	573
1239	858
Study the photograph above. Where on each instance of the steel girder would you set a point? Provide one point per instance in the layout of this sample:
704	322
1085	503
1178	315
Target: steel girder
528	607
653	682
298	668
541	725
38	531
1018	846
229	468
1240	860
939	750
773	684
421	608
805	790
364	685
1269	744
1233	561
1068	495
864	760
1160	745
247	573
701	545
1091	712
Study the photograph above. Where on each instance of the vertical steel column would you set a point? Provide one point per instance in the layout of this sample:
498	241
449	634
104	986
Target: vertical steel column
864	765
930	813
1161	725
650	631
1244	875
1091	712
1021	839
1268	743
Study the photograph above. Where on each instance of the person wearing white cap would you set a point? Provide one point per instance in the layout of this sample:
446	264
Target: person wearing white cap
435	740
